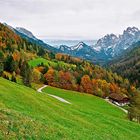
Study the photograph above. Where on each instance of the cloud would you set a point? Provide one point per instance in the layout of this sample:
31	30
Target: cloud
89	19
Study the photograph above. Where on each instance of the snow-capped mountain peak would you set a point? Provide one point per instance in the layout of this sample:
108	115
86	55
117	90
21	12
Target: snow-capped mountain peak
111	45
107	47
105	43
132	30
79	46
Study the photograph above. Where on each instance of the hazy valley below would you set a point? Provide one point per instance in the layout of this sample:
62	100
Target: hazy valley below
57	43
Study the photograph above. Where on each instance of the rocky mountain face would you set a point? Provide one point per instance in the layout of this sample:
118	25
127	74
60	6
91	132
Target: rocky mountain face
105	46
113	45
127	39
81	50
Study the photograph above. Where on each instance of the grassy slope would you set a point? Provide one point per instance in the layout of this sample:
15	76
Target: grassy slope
37	61
31	115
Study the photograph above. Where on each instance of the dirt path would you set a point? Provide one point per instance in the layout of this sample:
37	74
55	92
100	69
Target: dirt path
54	96
60	99
40	89
117	106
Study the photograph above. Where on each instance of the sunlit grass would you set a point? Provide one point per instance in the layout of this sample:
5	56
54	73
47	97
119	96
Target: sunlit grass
26	114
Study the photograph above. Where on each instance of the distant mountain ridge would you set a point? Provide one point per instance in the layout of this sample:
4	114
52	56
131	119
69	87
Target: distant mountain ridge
26	32
105	50
113	45
28	35
68	42
81	50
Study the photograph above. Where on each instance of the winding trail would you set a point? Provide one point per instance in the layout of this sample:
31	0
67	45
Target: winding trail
40	89
54	96
64	101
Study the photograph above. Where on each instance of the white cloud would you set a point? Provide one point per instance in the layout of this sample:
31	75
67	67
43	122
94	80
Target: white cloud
87	19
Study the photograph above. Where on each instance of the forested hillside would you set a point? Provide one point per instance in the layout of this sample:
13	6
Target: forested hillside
18	56
27	63
128	65
15	53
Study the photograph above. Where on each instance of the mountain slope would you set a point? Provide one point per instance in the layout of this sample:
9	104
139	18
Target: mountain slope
36	41
128	64
24	33
27	114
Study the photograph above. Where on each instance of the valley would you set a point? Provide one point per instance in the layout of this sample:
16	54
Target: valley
68	89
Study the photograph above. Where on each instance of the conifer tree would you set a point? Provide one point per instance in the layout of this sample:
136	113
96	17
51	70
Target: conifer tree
26	72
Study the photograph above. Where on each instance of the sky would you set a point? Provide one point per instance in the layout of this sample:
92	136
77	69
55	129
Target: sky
71	19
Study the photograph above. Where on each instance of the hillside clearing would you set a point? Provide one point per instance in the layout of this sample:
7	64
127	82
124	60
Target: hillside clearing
39	61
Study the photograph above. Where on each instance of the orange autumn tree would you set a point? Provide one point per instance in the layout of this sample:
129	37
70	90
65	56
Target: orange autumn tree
101	87
50	76
58	56
86	84
114	88
36	75
66	80
16	56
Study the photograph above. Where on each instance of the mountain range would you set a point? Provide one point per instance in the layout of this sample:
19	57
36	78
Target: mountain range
106	49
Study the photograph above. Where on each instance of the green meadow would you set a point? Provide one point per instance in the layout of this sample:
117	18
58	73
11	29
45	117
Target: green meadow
55	63
27	114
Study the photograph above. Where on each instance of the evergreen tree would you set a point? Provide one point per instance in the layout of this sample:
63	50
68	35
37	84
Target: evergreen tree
41	52
1	68
1	56
13	78
26	72
8	66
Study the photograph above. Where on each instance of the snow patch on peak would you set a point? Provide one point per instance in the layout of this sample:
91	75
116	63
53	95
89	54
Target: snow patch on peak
96	48
131	31
79	46
134	29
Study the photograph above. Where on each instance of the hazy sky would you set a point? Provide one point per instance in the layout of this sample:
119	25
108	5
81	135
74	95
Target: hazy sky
79	19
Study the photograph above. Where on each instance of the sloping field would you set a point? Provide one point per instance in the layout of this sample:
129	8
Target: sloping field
27	114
